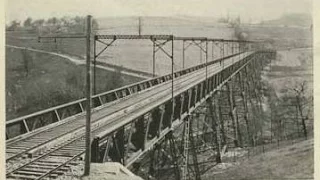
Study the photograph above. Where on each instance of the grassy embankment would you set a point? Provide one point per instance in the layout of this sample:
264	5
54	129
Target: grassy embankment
293	161
50	81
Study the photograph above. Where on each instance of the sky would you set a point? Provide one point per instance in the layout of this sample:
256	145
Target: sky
255	10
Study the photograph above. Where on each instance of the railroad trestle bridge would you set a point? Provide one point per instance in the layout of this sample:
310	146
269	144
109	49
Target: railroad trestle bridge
166	120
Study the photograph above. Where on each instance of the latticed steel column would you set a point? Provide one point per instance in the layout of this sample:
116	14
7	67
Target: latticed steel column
232	114
189	144
215	130
243	95
174	155
218	111
186	136
194	153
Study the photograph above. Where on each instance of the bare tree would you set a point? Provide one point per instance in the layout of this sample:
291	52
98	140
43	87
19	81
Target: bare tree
302	104
38	22
27	22
53	21
298	105
14	25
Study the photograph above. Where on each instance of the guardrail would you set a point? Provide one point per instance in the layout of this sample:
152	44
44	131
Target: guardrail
35	121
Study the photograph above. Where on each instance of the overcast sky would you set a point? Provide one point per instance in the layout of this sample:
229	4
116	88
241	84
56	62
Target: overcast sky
247	9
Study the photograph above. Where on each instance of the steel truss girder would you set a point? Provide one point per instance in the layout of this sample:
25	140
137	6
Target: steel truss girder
105	48
167	37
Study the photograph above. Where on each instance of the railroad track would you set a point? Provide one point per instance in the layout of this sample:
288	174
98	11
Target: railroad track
57	159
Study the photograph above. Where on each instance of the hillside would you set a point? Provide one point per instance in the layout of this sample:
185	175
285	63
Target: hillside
296	19
178	26
293	161
45	80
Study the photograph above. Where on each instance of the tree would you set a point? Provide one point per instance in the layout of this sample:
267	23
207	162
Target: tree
298	104
79	20
80	24
95	24
27	22
302	104
13	26
53	21
38	22
66	21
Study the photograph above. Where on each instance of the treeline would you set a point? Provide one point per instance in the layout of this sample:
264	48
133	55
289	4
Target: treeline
235	23
52	25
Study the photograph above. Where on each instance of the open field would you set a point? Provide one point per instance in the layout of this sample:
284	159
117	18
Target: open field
283	37
51	81
291	67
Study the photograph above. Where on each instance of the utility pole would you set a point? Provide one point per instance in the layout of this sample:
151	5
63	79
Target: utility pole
94	66
88	95
139	28
87	36
172	73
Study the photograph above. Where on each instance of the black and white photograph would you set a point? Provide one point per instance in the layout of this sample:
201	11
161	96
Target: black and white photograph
159	90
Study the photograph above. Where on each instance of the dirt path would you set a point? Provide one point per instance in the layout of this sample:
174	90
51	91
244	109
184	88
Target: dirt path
78	61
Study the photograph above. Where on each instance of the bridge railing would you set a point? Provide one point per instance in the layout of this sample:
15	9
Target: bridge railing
130	138
36	121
